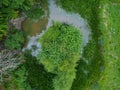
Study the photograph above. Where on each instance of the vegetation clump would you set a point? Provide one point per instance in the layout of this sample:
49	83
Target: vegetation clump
35	13
61	47
15	40
38	78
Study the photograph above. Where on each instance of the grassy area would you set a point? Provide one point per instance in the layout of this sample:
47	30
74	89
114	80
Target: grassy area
110	18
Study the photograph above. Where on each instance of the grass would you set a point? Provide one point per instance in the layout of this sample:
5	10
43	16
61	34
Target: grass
109	25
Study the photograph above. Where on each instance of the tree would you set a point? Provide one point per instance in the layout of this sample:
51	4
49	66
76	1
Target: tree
61	46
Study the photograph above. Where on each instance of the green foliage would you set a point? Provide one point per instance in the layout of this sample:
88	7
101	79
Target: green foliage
18	80
83	7
11	9
61	46
115	1
3	31
15	4
63	81
38	78
59	43
88	69
35	13
15	40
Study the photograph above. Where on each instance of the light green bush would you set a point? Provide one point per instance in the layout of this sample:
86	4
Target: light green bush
61	46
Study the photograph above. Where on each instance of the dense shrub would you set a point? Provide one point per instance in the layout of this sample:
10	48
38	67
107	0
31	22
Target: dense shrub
38	78
61	46
15	40
35	13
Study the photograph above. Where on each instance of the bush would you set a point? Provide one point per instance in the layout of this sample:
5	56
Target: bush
38	78
15	40
36	10
35	13
61	46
